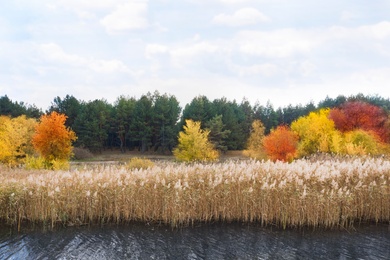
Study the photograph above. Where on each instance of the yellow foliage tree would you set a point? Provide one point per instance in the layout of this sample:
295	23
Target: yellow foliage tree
360	142
15	139
255	141
316	133
194	144
52	139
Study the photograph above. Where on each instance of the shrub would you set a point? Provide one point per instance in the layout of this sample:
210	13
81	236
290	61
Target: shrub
81	153
139	163
34	163
58	164
40	163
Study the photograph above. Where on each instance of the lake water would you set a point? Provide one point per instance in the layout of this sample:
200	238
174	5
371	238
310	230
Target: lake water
206	241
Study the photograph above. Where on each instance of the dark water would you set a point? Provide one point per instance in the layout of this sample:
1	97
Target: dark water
212	241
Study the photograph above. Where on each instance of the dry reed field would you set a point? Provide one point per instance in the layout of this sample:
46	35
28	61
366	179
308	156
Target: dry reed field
324	193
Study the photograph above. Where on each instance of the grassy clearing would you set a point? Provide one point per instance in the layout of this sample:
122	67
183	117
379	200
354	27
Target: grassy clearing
325	193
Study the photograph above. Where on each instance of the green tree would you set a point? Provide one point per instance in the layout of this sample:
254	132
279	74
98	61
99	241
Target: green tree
123	117
194	144
141	128
217	134
199	109
268	116
166	113
15	109
69	106
92	125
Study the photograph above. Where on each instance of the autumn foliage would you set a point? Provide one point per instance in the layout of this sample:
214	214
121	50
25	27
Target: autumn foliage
194	144
15	139
316	133
281	144
52	139
355	115
255	147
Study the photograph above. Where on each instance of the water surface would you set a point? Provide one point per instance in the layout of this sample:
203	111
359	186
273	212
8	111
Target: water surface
206	241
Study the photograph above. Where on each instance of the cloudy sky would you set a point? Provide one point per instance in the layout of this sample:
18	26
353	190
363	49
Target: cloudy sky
284	51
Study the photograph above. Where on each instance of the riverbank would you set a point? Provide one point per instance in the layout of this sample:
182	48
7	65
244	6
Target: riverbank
322	194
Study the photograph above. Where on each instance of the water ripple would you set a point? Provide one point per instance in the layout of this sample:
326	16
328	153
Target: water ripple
217	241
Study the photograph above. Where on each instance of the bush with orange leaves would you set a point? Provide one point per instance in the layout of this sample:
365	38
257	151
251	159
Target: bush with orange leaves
52	139
281	144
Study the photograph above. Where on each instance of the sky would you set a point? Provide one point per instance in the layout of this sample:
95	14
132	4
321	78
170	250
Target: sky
278	51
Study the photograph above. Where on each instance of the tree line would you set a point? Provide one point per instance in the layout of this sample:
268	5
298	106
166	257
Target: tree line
153	121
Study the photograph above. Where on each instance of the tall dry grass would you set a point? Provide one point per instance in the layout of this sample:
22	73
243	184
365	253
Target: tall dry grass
328	193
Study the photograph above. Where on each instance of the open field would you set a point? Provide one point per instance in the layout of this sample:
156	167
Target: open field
117	156
324	193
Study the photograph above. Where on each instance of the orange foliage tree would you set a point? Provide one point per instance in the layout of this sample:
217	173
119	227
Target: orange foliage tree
52	139
355	115
281	144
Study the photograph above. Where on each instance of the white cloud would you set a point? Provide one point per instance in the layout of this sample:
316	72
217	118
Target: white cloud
54	53
233	2
266	69
244	16
285	43
280	43
307	68
129	16
378	31
348	16
185	54
87	4
153	49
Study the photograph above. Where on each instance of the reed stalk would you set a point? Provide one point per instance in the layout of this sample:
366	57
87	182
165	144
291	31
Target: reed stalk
325	193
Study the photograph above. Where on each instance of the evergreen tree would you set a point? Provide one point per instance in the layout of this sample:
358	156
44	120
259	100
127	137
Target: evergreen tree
141	128
166	113
217	134
92	125
122	119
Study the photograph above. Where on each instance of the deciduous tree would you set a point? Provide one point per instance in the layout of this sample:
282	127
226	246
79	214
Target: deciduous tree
52	139
255	147
281	144
194	144
360	142
315	132
356	115
15	139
